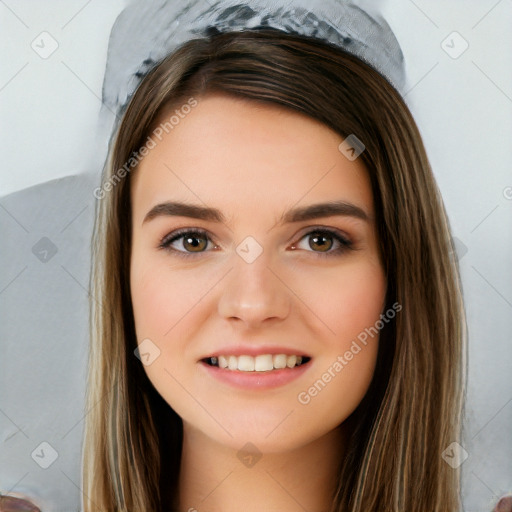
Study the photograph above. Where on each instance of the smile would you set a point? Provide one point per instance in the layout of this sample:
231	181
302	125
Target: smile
259	363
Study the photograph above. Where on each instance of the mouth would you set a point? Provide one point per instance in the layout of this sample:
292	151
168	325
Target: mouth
256	364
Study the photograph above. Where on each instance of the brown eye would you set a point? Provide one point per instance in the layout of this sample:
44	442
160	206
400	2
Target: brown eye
318	241
194	243
325	242
185	242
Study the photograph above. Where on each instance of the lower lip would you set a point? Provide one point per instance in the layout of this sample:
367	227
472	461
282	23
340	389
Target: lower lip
256	380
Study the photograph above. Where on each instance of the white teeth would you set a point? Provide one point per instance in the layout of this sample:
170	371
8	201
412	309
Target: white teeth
279	361
246	363
291	361
261	363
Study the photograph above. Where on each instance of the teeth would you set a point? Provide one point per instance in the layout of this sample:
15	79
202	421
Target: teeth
279	361
261	363
291	361
246	363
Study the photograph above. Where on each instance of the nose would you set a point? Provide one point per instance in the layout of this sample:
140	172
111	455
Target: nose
254	293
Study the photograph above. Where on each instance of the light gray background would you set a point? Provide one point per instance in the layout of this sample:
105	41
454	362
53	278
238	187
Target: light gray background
52	146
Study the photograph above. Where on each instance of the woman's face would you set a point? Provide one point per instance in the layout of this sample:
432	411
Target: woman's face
268	277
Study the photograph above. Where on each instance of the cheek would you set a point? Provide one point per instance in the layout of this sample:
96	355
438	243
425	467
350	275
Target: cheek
162	301
345	368
161	296
350	301
150	302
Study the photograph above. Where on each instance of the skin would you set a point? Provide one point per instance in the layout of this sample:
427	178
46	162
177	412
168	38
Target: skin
253	162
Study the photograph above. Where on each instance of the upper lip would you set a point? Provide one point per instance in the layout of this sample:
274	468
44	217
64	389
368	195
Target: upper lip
255	350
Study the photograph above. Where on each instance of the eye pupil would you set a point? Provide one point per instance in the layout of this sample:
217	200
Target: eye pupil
192	241
323	246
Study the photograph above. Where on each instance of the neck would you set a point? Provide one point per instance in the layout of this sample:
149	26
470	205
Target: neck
218	478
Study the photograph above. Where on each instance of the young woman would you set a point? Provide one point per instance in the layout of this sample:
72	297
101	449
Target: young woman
276	310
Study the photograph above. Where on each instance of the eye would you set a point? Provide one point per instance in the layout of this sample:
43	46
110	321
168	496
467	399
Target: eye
322	241
188	242
191	241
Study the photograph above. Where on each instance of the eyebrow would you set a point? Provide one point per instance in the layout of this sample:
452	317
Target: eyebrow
314	211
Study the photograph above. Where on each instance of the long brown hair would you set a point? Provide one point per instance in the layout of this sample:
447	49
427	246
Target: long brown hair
413	408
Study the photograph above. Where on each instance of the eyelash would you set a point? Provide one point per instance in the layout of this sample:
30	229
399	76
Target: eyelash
165	243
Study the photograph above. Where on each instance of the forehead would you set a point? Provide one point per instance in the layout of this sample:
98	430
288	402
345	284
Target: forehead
230	153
